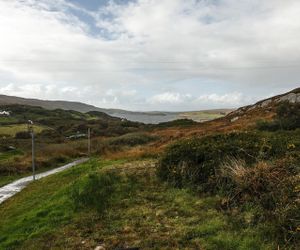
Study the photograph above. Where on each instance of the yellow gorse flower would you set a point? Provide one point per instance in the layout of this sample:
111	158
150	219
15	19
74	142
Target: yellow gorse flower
291	146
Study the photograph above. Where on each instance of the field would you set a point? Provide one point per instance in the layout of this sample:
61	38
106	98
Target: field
12	130
201	116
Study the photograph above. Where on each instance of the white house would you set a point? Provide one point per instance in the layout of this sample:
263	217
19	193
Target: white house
4	113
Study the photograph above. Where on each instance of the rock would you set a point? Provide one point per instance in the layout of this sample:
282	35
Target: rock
265	103
99	248
11	148
253	107
291	97
234	119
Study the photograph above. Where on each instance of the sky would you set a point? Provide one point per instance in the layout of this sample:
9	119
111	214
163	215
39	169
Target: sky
171	55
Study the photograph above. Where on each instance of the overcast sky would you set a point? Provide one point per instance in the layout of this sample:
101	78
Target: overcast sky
150	54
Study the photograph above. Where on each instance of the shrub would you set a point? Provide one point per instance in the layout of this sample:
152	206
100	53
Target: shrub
273	187
23	135
132	139
267	125
196	161
176	123
95	191
260	182
287	118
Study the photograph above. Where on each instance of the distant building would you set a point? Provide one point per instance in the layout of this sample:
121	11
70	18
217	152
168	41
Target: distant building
76	136
4	113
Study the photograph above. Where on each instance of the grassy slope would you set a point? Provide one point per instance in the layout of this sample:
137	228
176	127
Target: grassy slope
151	215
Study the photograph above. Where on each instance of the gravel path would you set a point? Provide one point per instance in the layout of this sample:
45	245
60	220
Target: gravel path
16	186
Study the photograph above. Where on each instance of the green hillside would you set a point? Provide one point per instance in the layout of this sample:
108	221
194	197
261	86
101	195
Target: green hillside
118	204
224	184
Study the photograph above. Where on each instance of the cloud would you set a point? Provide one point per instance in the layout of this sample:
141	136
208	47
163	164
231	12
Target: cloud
230	100
118	96
169	98
213	100
160	50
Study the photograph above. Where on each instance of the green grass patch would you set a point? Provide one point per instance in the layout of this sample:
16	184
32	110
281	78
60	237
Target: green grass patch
12	130
200	115
7	120
10	154
41	208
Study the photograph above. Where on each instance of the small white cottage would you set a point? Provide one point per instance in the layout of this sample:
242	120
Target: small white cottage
4	113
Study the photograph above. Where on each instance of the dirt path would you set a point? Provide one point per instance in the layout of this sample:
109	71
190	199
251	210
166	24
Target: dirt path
11	189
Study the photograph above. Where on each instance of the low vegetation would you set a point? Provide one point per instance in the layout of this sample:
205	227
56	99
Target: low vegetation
256	173
96	191
64	211
56	137
132	139
176	123
287	118
238	188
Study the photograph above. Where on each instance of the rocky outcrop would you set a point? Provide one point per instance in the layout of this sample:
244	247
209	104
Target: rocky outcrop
267	105
291	97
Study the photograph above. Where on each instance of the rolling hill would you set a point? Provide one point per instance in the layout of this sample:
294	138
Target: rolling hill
145	117
220	184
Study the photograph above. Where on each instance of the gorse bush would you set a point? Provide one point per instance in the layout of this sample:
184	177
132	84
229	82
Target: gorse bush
266	183
272	187
256	173
267	125
176	123
23	135
131	139
288	115
196	161
287	118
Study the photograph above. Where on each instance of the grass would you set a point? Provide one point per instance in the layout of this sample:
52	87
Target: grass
201	115
7	119
11	130
39	209
9	154
48	155
149	215
4	157
6	179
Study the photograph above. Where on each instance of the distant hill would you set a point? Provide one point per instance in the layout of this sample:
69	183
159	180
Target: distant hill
145	117
58	122
65	105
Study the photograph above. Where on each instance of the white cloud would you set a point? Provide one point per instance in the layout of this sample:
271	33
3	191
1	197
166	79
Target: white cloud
145	46
231	99
169	98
